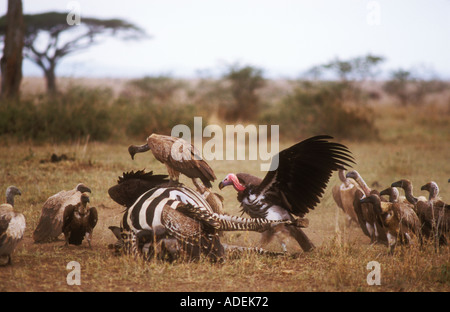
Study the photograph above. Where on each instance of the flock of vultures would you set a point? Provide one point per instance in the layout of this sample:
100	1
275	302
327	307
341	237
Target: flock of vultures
167	220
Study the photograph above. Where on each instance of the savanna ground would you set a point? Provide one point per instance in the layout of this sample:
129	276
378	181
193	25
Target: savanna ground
414	143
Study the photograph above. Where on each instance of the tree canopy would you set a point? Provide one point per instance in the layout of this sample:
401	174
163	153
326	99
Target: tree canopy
49	37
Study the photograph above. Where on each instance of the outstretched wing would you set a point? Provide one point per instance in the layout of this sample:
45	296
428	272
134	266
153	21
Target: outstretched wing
303	172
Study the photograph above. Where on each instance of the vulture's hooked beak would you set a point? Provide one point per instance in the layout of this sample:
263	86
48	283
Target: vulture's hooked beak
424	187
397	184
133	149
351	174
225	182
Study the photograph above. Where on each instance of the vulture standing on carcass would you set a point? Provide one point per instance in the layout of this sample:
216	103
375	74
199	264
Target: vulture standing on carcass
435	213
293	187
369	222
179	156
12	226
399	220
79	221
344	195
51	221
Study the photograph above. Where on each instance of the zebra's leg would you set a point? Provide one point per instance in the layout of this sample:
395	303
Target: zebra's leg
234	223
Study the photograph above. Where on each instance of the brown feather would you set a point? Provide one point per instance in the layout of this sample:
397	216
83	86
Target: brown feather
51	220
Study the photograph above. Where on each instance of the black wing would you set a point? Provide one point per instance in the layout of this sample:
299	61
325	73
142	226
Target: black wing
133	184
303	172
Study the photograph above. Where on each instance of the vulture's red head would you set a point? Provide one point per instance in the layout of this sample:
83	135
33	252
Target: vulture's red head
232	179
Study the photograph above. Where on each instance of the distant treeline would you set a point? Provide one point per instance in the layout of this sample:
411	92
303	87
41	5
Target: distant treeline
303	107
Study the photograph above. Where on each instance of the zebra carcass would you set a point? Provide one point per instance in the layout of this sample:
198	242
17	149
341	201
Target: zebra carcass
170	222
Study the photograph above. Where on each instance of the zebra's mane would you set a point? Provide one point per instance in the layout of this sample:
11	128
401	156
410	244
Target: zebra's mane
142	175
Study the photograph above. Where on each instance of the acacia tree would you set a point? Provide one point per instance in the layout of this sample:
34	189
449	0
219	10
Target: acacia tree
11	61
49	37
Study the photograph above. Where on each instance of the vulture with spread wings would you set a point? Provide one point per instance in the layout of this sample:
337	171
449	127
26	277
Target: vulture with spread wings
179	156
295	186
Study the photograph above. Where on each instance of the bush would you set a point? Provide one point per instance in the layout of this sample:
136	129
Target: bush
80	112
318	108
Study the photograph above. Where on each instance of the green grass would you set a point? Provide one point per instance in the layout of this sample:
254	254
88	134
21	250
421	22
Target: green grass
418	152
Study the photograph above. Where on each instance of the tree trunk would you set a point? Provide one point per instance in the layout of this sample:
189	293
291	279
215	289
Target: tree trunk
11	62
50	78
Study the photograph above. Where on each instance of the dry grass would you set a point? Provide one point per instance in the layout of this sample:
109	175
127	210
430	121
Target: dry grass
414	145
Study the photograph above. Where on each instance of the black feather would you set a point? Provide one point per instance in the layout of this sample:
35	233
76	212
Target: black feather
303	172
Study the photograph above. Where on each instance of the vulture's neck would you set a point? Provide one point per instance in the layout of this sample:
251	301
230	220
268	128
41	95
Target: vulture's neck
434	191
409	196
10	198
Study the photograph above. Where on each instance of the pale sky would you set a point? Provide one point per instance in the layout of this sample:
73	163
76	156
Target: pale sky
282	37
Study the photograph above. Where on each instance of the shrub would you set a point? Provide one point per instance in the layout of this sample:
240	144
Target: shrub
318	108
244	82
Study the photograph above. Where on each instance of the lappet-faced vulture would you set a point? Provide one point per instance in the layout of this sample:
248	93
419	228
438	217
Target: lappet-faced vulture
295	186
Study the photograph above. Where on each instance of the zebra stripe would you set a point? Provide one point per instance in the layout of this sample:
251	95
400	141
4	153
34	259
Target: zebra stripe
145	213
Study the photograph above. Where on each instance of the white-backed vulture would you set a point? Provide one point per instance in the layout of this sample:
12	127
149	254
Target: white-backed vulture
294	187
435	213
344	195
407	187
178	156
422	208
367	218
393	194
399	220
12	226
79	221
51	220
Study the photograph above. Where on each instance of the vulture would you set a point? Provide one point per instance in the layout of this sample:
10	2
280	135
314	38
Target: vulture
435	214
165	221
393	194
294	187
51	220
179	156
407	186
12	226
399	220
370	224
79	221
344	195
421	206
